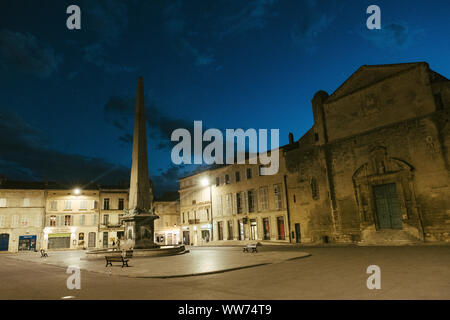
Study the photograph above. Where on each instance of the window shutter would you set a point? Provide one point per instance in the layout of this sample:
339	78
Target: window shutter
72	221
244	201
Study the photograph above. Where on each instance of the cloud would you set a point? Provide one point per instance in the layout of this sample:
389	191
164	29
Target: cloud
23	52
107	18
25	156
201	59
119	111
253	15
397	35
95	54
314	20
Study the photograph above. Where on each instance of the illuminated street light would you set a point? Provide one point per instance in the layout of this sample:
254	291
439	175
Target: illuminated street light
77	191
204	182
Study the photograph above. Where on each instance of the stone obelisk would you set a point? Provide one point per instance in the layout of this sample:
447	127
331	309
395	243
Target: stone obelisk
139	218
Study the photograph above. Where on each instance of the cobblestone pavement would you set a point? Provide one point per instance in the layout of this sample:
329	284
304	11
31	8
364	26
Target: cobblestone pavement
410	272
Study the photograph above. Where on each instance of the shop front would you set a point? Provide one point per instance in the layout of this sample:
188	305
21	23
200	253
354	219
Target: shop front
27	243
59	241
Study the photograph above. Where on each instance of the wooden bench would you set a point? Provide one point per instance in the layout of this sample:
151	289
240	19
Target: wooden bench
111	259
251	246
128	254
44	254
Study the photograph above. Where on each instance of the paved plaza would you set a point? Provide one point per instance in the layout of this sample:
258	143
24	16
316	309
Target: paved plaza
194	263
407	272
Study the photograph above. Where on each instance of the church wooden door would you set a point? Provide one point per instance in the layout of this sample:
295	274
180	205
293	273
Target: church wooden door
388	206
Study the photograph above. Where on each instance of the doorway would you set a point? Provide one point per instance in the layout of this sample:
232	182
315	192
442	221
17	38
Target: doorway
105	239
253	229
91	243
387	206
241	230
298	235
4	242
186	240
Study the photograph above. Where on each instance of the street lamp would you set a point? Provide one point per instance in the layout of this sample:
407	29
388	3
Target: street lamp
204	182
77	191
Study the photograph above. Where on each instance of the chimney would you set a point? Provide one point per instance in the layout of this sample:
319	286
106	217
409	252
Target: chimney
291	138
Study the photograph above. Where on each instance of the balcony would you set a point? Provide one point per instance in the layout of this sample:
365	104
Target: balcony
194	221
110	225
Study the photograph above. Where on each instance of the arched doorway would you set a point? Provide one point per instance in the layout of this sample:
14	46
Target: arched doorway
4	241
385	195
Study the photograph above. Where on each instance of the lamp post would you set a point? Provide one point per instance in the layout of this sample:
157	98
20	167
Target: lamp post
206	183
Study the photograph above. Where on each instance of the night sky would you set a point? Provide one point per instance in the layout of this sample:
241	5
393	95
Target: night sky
67	96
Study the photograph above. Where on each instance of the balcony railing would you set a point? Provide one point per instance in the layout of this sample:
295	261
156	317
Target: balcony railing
194	221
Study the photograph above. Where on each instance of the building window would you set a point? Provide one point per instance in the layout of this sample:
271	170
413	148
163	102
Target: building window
251	200
82	220
228	204
52	221
121	206
105	219
260	167
263	198
220	230
239	202
314	189
26	202
217	181
54	205
106	204
93	219
94	204
249	173
238	176
266	225
83	204
227	179
218	205
230	230
2	202
67	220
15	220
24	221
182	215
278	199
281	231
67	205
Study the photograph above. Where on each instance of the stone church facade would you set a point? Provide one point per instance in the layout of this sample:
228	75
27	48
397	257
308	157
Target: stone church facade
374	168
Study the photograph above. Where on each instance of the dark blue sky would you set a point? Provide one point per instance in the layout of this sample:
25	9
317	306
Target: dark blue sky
66	96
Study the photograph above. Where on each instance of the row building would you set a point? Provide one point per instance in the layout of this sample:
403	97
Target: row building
373	169
36	216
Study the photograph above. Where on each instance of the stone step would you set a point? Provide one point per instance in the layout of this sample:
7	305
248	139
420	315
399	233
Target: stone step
389	237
